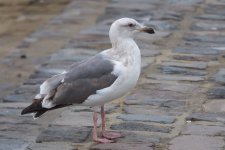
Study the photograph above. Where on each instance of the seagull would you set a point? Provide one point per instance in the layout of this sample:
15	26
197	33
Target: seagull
102	78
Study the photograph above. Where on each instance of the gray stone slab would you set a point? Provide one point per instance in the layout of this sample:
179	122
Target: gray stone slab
70	118
35	81
208	38
192	65
18	98
203	130
214	17
181	88
195	57
173	104
196	50
158	94
131	6
51	146
175	77
8	111
153	110
211	117
150	53
154	102
215	106
186	2
168	15
216	93
210	26
184	71
49	33
23	89
11	144
134	126
122	146
219	77
148	118
129	136
64	133
214	9
194	142
72	55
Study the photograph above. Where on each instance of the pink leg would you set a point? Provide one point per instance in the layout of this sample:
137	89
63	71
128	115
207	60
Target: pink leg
94	131
107	134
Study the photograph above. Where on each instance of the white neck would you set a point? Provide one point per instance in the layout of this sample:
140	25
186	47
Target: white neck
126	50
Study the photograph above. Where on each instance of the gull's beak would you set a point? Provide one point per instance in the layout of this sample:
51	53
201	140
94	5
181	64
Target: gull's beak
147	30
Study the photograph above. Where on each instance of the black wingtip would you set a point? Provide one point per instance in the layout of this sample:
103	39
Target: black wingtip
34	107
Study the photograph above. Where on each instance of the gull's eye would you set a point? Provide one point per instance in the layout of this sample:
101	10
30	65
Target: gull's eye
131	25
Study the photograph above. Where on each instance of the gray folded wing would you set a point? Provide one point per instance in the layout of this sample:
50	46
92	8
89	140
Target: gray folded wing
84	79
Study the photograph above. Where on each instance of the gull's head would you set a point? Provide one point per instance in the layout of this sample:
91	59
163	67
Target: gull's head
127	28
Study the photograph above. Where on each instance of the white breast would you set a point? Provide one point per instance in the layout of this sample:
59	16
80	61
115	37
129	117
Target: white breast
128	72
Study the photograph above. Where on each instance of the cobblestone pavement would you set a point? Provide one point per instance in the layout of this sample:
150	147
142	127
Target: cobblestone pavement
178	103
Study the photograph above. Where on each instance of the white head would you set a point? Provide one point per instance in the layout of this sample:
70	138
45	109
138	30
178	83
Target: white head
126	28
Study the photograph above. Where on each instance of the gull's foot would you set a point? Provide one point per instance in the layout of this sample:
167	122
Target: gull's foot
103	140
111	135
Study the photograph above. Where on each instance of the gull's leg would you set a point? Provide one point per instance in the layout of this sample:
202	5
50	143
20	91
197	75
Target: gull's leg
107	134
94	131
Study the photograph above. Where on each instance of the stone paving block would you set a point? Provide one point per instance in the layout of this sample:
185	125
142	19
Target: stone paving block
219	77
122	146
152	95
8	111
133	101
210	26
181	87
192	65
71	119
27	133
216	92
133	126
72	55
150	53
64	133
175	77
205	38
148	118
215	106
13	105
131	6
168	15
101	28
129	136
213	17
185	71
11	144
195	57
192	129
37	81
189	2
18	98
148	110
51	146
214	9
173	104
212	117
195	50
194	142
89	43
